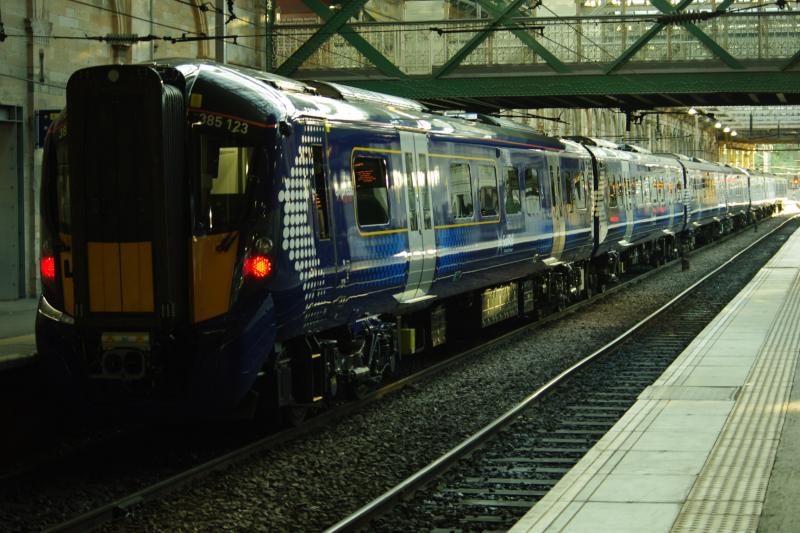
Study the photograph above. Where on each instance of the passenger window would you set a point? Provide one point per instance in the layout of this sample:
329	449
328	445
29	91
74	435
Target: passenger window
460	185
372	191
513	204
487	190
532	191
320	192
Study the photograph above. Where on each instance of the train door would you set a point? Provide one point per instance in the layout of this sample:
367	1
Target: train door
557	207
322	198
127	198
419	213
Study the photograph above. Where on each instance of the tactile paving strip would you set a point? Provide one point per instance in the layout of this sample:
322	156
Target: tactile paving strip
730	490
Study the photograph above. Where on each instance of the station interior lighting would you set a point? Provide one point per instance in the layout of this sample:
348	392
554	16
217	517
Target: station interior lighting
710	118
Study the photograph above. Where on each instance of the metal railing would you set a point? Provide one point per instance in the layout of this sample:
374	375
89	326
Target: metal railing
418	48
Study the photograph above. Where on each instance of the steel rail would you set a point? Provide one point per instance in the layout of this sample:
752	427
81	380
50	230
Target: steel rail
406	488
119	507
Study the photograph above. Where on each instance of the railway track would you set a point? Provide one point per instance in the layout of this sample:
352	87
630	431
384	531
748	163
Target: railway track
128	503
492	478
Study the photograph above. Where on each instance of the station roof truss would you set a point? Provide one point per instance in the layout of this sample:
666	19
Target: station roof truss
761	124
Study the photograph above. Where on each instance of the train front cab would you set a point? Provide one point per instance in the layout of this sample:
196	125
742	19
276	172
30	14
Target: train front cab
147	249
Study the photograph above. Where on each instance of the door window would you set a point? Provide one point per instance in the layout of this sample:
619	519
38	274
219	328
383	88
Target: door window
533	194
427	213
487	190
513	204
411	192
320	192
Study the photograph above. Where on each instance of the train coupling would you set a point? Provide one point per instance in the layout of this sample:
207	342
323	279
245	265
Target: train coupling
123	364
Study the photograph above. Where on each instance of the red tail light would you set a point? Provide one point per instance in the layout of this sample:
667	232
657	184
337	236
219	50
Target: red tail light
47	266
257	267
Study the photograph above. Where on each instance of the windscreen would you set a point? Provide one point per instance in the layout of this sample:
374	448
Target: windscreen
225	174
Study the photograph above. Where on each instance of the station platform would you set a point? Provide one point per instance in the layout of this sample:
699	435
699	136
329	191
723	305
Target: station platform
712	444
17	342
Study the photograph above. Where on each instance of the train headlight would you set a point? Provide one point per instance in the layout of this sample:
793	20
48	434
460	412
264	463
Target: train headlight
257	267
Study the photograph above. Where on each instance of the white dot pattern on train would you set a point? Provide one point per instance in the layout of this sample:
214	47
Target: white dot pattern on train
298	240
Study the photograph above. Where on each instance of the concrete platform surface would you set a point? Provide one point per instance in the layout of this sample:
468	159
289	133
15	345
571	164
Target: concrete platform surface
696	451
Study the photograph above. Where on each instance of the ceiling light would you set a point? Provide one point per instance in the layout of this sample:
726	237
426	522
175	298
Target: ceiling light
727	129
734	134
718	124
692	111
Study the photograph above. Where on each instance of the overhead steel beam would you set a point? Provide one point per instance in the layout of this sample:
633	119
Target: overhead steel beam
551	60
705	86
325	32
358	42
476	40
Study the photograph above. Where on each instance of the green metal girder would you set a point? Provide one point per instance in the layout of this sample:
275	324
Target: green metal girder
792	61
634	48
666	8
358	42
589	85
325	32
644	39
473	43
712	45
723	6
551	60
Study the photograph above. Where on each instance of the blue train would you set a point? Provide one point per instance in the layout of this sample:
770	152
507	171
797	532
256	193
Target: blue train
217	238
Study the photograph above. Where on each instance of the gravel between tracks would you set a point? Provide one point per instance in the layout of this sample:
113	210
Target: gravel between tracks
311	483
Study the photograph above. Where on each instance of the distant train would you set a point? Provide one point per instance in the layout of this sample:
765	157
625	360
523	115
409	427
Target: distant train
218	238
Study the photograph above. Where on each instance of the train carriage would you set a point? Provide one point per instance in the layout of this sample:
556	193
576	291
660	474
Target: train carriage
218	238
